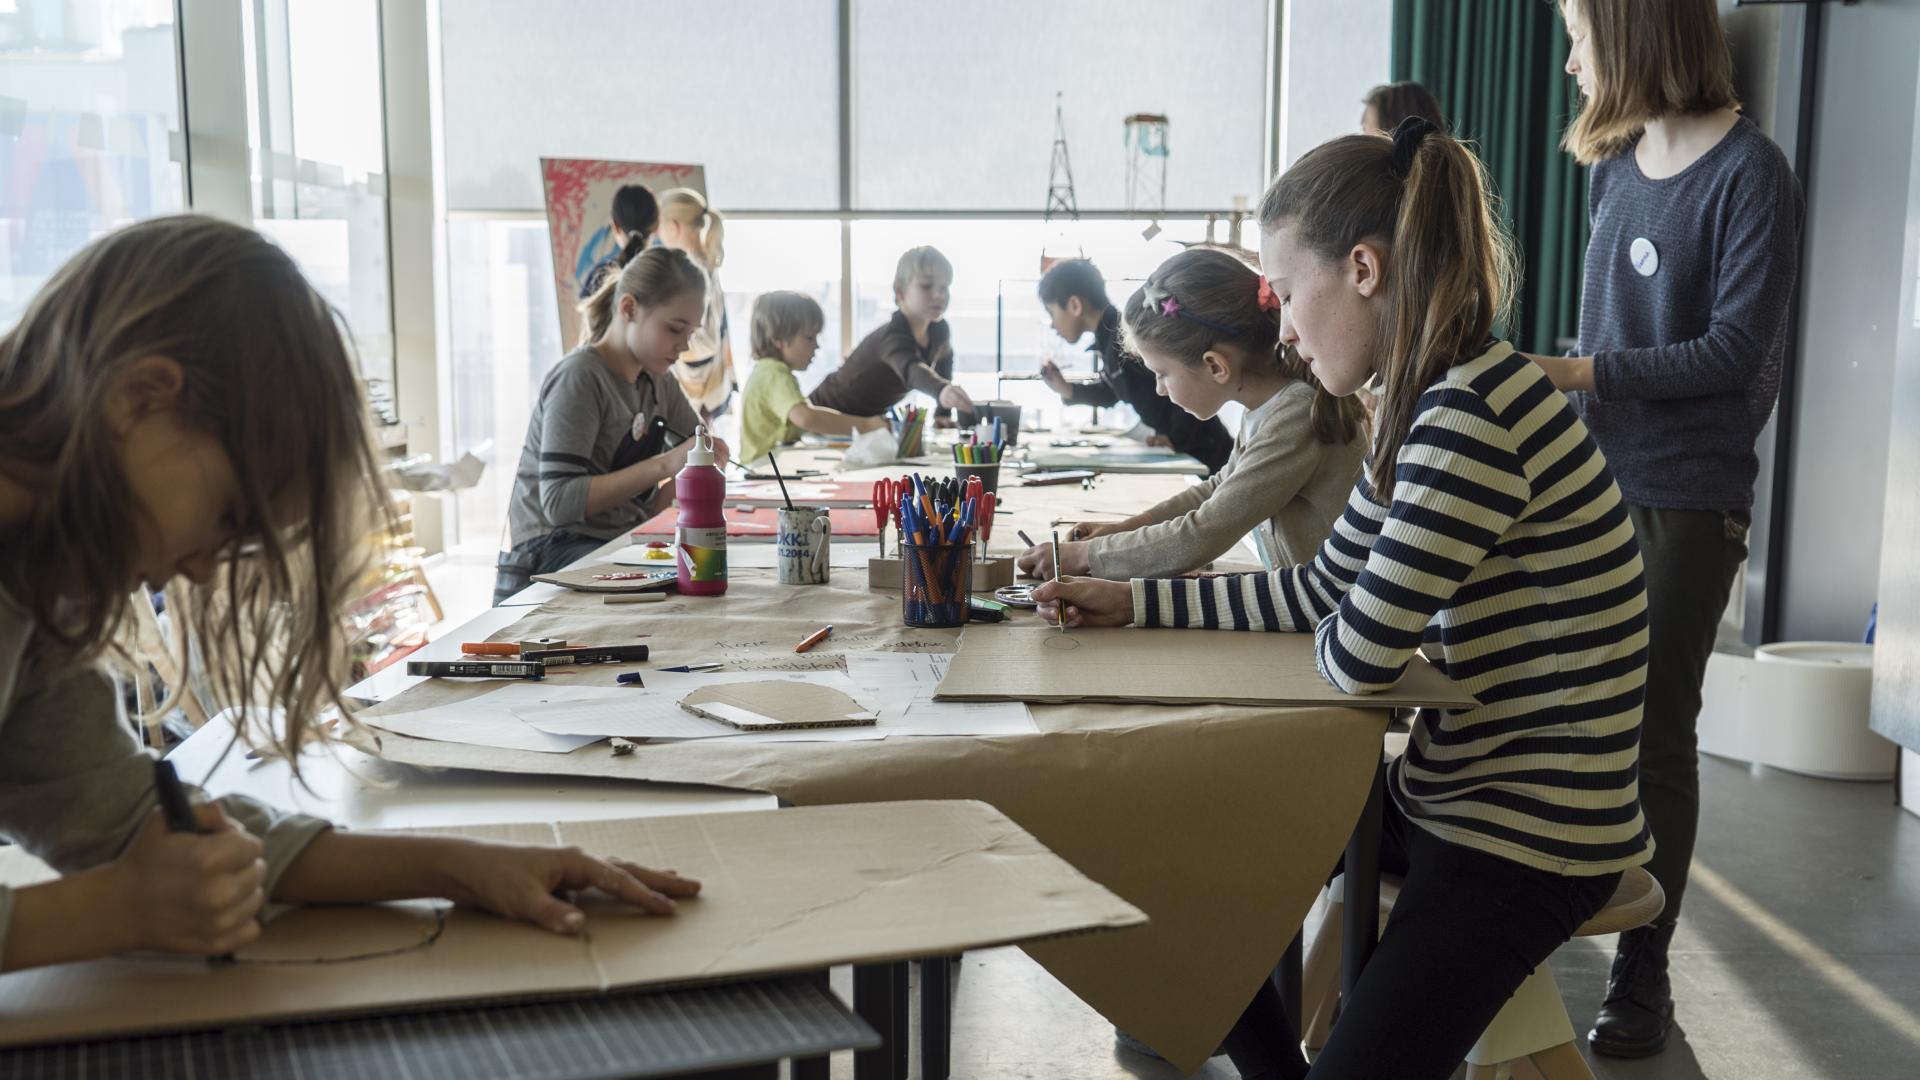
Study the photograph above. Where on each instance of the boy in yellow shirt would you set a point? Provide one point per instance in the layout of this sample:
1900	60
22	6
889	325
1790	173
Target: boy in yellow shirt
773	411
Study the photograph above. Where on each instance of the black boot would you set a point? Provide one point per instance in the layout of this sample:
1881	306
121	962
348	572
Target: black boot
1638	1013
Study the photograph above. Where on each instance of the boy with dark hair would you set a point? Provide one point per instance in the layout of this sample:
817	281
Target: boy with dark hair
1075	296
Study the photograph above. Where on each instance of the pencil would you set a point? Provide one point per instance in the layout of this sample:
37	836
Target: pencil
1061	611
814	638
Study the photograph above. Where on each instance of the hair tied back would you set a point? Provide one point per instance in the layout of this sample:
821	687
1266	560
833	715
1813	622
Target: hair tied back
1407	137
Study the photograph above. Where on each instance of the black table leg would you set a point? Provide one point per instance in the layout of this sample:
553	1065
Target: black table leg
902	1018
1362	930
873	1000
936	1014
815	1068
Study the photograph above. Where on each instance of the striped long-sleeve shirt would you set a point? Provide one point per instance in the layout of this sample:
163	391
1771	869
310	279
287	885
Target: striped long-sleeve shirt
1508	554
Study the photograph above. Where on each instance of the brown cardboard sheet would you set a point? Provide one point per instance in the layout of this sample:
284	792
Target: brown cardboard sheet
784	890
1167	667
777	706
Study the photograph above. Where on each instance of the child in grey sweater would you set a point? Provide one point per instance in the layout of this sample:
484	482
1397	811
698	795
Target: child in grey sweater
1208	328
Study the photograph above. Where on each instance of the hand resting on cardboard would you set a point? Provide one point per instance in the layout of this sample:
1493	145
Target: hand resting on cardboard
514	881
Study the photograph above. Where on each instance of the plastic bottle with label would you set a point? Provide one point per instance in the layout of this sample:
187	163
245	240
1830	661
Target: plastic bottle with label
700	532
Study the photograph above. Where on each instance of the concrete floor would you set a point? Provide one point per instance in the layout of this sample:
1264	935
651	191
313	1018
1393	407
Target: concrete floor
1798	956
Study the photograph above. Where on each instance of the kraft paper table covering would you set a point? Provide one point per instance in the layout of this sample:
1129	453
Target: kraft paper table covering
1220	822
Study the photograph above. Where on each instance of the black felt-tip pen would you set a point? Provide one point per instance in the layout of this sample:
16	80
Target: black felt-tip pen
477	669
174	804
590	654
177	809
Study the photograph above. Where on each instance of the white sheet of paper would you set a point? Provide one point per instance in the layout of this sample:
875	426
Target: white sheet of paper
655	713
845	555
903	684
489	720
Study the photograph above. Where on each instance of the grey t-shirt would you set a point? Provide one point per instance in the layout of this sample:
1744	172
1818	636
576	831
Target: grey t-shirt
75	784
1689	281
588	422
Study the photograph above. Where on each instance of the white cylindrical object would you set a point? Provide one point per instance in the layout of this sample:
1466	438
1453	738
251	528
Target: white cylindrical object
1809	704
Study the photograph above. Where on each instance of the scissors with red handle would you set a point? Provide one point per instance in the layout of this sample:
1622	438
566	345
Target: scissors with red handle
886	506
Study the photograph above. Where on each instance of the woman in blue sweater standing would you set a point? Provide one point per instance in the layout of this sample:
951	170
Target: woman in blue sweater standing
1689	280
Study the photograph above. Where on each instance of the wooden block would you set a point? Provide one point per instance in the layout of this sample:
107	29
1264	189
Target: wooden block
989	573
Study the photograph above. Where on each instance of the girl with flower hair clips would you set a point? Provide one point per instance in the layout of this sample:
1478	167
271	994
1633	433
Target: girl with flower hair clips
1208	327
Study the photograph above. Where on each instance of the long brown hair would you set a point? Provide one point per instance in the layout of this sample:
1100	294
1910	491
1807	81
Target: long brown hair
658	275
268	374
1217	301
1421	196
1652	58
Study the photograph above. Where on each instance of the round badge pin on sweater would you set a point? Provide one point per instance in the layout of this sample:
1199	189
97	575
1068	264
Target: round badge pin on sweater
1643	256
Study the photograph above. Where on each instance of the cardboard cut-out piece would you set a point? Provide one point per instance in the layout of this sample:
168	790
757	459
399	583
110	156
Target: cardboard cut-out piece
1167	667
778	706
784	891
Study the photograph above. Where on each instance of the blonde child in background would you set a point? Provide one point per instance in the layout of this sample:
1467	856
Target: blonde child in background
773	411
913	351
705	369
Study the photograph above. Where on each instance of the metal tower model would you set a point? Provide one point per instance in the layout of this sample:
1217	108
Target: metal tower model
1060	197
1146	139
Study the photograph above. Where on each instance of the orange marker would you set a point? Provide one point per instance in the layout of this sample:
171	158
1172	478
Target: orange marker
490	648
814	638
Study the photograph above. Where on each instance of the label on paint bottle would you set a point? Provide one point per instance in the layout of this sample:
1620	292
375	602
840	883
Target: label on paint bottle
703	552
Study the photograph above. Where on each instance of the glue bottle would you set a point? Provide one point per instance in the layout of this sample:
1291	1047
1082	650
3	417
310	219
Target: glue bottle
700	533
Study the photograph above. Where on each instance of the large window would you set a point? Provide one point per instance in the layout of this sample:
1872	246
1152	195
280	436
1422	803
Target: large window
317	128
89	131
832	148
954	102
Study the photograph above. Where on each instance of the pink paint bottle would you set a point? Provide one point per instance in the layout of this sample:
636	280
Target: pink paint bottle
700	533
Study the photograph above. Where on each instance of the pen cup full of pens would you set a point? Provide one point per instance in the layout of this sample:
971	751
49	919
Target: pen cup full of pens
989	476
936	583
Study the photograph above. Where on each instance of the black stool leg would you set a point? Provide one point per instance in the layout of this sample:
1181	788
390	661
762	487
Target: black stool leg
873	1000
936	1015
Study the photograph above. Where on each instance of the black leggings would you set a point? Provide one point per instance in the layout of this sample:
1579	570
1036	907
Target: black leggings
1466	931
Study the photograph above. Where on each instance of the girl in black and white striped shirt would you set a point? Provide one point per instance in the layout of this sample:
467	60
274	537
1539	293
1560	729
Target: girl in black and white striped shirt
1486	530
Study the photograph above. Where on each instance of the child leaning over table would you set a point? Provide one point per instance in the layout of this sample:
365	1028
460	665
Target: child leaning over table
178	409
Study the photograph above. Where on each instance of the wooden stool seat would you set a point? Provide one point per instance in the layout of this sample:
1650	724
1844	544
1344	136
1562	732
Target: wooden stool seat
1637	901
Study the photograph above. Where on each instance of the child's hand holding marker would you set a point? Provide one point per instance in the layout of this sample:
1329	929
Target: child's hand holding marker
1081	602
1037	561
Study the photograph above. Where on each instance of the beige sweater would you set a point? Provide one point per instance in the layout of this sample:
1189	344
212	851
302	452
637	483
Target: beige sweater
1279	480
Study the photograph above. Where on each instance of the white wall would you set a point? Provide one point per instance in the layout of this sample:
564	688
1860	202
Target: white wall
1863	135
1336	51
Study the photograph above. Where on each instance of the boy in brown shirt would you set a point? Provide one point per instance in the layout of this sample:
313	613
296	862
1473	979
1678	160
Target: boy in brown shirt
911	352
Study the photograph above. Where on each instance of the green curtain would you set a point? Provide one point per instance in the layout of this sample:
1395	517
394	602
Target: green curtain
1497	67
